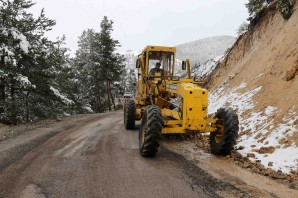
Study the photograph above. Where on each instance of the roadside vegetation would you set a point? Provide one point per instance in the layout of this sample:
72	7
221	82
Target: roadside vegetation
39	79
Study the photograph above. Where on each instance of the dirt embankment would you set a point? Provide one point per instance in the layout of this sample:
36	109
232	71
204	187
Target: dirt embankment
266	57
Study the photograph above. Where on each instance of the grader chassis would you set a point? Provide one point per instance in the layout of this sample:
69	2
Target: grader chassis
168	104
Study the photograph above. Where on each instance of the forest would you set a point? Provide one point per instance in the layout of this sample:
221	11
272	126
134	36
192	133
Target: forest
39	79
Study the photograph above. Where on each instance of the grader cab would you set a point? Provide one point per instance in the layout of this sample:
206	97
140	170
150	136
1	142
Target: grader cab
168	104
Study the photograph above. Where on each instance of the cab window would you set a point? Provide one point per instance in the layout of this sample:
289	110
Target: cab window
166	59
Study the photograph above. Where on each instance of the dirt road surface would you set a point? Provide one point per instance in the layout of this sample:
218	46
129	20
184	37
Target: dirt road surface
97	157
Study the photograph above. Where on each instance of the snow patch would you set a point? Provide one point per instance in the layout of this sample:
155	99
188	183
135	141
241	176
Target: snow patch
260	75
24	81
6	51
239	102
258	128
3	74
62	97
88	108
208	67
24	44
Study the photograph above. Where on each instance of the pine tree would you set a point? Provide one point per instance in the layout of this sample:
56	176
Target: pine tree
87	67
21	38
285	8
254	8
29	65
99	67
242	28
130	81
111	63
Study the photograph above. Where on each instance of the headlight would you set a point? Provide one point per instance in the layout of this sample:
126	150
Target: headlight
175	78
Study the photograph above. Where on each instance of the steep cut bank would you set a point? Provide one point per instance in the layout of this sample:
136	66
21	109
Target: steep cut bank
259	79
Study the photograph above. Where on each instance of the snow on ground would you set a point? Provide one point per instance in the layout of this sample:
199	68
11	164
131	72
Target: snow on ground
259	129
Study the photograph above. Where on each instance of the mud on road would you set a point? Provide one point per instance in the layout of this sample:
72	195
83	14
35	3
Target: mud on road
94	156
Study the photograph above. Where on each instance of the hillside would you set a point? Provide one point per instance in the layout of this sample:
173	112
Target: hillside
203	50
259	80
199	51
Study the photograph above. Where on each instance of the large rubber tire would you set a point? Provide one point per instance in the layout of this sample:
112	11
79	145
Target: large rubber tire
150	130
129	114
223	141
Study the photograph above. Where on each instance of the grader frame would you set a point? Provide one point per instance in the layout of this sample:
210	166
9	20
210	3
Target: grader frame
169	104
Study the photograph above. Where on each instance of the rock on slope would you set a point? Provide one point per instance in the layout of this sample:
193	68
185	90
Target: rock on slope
259	79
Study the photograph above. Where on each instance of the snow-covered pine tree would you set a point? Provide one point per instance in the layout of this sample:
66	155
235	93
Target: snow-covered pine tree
130	81
86	74
118	67
20	36
254	9
62	81
242	28
99	69
285	8
29	63
111	63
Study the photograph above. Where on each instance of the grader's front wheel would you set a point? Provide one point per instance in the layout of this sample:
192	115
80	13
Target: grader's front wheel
129	114
224	139
149	133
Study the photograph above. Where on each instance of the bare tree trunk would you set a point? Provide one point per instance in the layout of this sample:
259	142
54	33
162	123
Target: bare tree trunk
13	105
99	99
2	87
112	98
109	96
27	107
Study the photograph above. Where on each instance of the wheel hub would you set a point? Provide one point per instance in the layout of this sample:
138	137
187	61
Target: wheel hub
220	130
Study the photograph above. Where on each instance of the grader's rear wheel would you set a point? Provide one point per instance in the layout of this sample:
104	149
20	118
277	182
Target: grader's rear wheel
129	114
149	133
222	141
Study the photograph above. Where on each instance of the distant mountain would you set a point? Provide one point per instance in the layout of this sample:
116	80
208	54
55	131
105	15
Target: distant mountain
199	52
202	50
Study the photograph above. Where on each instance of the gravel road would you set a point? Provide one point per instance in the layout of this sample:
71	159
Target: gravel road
96	157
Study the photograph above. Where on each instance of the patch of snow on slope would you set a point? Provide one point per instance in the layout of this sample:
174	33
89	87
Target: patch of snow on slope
257	129
208	67
239	102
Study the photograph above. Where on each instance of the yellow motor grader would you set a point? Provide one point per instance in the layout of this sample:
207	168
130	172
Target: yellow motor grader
168	104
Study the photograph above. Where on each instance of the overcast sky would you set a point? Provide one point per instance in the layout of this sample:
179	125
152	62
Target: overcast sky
138	23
